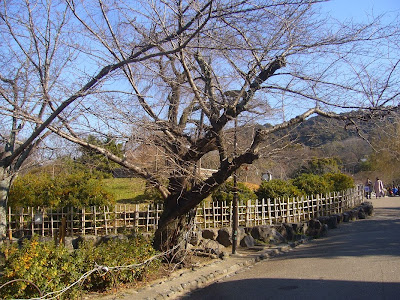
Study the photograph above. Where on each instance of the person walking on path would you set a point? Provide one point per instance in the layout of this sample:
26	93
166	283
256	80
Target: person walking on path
368	188
378	187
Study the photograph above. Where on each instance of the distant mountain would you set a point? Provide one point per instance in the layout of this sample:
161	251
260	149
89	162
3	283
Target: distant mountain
318	131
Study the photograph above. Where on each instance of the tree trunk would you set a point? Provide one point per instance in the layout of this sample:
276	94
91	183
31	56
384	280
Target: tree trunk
5	182
172	236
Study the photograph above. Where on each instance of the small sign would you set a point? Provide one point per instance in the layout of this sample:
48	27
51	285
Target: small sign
38	218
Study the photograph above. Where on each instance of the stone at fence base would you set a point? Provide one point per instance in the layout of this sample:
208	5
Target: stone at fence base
277	238
368	208
247	230
361	214
315	228
296	231
339	218
324	230
241	234
353	214
291	231
284	231
268	234
114	237
225	236
86	238
213	247
329	220
263	233
46	239
332	222
346	217
69	242
300	229
209	233
247	241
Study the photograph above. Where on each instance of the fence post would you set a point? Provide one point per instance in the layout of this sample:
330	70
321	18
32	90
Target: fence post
83	220
63	230
156	218
263	221
43	210
32	221
302	209
21	220
281	211
9	224
148	217
125	215
105	220
52	223
213	213
136	217
269	211
115	220
246	214
223	205
287	202
71	219
256	219
294	209
94	220
204	214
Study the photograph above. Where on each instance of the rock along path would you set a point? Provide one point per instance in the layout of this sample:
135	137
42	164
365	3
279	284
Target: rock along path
358	260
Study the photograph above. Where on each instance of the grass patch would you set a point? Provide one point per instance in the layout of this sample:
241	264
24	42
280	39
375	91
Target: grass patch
126	190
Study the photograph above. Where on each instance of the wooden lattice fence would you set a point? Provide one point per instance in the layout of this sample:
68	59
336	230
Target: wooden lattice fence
144	218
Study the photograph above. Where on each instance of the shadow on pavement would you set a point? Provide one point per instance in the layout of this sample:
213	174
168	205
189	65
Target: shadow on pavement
297	289
377	236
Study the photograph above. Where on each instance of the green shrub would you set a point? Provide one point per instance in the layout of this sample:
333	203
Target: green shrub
49	267
339	181
319	166
277	188
225	192
75	189
79	190
34	190
115	253
305	184
312	184
98	163
152	193
53	268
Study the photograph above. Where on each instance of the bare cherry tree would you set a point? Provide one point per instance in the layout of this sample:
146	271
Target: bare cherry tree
50	70
175	77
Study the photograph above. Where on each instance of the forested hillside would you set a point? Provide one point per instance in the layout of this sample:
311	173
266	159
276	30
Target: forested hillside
354	144
318	131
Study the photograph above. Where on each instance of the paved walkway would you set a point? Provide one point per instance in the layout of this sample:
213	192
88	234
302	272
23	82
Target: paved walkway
358	260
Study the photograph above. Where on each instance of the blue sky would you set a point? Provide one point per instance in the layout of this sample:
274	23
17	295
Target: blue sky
359	9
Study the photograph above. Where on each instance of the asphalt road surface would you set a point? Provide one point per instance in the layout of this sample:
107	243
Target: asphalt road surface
358	260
